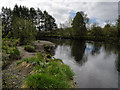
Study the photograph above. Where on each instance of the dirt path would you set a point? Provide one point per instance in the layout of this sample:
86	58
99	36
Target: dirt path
25	54
14	75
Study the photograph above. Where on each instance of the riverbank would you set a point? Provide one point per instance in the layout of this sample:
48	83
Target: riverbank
87	38
39	64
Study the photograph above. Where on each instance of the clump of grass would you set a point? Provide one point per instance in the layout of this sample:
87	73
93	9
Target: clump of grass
29	48
23	60
38	41
58	60
52	74
44	80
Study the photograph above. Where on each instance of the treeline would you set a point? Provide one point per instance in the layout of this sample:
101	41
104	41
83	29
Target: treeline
79	30
29	24
25	23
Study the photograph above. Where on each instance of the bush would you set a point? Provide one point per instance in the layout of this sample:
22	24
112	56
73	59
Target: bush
29	48
14	54
9	50
47	48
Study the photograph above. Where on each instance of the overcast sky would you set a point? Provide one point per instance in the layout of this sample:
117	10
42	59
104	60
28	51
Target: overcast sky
98	11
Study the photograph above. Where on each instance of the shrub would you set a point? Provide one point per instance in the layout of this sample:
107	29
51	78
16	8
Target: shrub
9	50
14	54
29	48
47	47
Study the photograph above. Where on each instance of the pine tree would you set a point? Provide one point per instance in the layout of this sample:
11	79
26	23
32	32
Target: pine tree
118	26
6	16
49	22
78	25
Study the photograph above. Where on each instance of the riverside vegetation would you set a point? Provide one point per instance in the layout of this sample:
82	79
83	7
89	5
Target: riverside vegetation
47	73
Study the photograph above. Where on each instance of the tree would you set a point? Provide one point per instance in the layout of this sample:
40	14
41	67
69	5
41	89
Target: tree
78	25
39	19
110	30
23	29
86	19
6	16
33	15
49	22
118	26
97	31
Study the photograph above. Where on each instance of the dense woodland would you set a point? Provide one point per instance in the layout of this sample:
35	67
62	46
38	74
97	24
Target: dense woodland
25	23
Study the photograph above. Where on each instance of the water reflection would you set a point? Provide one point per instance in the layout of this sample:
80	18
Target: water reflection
96	48
118	60
78	51
94	64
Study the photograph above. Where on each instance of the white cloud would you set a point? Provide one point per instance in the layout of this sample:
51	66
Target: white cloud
60	9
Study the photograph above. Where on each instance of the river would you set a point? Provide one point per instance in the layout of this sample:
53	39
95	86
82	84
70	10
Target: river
95	64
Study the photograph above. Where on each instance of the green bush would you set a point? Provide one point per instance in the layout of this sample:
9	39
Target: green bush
47	48
14	54
9	50
29	48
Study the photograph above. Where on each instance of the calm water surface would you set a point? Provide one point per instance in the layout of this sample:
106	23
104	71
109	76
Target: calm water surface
94	64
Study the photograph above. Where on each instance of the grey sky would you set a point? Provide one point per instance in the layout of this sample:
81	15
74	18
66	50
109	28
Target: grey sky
60	9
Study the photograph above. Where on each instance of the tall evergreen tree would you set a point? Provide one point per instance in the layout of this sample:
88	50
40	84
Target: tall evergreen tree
118	26
16	11
78	25
6	16
39	19
49	22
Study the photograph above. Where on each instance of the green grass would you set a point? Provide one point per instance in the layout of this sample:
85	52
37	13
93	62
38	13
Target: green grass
45	80
29	48
52	74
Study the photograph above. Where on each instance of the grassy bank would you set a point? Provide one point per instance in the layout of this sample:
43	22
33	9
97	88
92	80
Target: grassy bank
39	71
47	72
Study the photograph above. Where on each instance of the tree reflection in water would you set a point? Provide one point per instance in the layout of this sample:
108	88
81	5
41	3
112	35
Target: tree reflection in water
118	60
96	48
78	51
